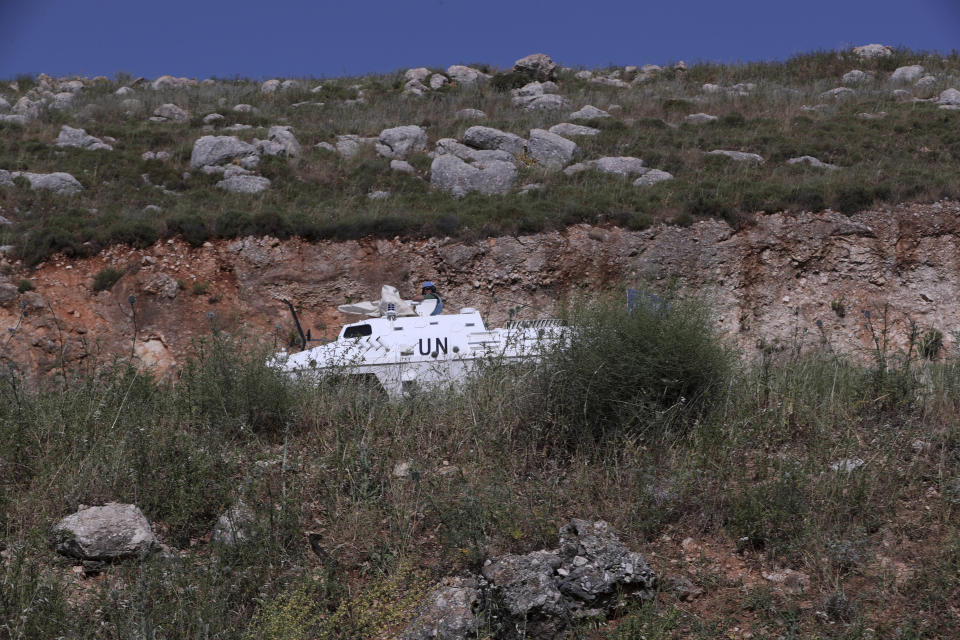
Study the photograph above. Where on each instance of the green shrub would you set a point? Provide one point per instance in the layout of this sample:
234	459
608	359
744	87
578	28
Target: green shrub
106	278
190	226
642	370
24	285
504	82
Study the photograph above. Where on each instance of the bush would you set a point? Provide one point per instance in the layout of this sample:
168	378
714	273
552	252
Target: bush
24	285
190	226
641	370
106	278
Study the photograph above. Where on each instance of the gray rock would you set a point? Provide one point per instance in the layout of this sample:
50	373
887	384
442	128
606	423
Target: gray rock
567	129
710	88
210	118
739	156
72	86
527	590
283	136
547	102
550	150
244	108
537	66
124	91
8	293
326	146
854	77
700	118
61	184
910	73
653	176
470	114
131	104
238	127
20	120
4	105
378	195
480	137
70	137
270	86
349	145
839	92
465	75
848	465
415	88
813	162
399	142
925	83
448	613
171	112
529	188
949	97
161	284
437	80
870	51
584	74
449	146
235	170
62	101
234	526
609	82
105	533
419	74
620	165
609	564
6	178
489	176
402	166
244	184
288	85
30	109
212	150
169	82
901	94
589	112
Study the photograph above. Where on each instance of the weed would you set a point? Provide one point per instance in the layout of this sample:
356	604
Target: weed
106	278
24	285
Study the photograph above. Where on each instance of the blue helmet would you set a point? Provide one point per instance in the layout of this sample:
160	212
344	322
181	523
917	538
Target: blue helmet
428	284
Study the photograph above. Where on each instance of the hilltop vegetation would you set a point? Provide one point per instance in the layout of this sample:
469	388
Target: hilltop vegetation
892	135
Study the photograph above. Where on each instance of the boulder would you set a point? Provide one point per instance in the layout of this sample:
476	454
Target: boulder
234	526
171	112
415	88
489	176
244	108
70	137
547	102
6	179
910	73
448	612
419	74
62	101
349	145
925	83
12	119
210	118
284	138
30	109
169	82
739	156
653	176
465	75
537	66
489	138
402	166
326	146
124	91
567	129
839	92
620	165
214	150
854	77
437	80
109	532
449	146
399	142
870	51
270	86
527	589
813	162
288	85
244	184
949	97
470	114
710	88
550	150
597	564
4	105
589	112
700	118
61	184
378	195
72	86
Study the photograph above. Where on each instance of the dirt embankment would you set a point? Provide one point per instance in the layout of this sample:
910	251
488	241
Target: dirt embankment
771	281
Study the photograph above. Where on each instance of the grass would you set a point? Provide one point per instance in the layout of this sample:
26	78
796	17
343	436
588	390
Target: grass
909	155
494	469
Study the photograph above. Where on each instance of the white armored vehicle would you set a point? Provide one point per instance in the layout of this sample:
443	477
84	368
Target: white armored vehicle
404	348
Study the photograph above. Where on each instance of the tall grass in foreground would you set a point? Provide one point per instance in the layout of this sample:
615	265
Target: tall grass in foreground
749	457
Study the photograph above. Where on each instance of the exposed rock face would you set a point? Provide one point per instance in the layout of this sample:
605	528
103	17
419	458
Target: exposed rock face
30	109
215	150
70	137
839	92
547	102
493	139
437	80
399	142
551	150
537	66
105	533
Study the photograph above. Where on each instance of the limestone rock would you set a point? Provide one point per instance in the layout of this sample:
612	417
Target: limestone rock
854	77
710	88
6	179
448	613
284	138
105	533
399	142
60	183
839	92
489	176
30	109
949	97
70	137
4	105
547	102
244	108
739	156
620	165
326	146
419	74
20	120
161	284
402	166
870	51
480	137
470	114
214	150
550	150
567	129
244	184
349	145
414	88
589	112
270	86
210	118
465	75
700	118
813	162
169	82
124	91
910	73
171	112
653	176
537	66
234	526
378	195
62	101
437	80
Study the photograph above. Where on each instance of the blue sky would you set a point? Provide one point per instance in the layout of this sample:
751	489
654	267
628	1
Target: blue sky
271	38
